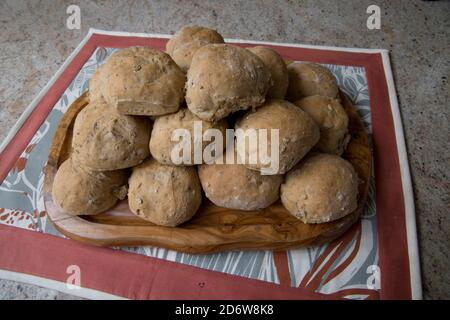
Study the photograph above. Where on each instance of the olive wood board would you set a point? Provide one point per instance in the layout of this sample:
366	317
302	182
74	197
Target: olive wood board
213	228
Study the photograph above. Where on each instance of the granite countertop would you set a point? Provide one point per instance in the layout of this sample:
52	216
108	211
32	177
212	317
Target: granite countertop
35	42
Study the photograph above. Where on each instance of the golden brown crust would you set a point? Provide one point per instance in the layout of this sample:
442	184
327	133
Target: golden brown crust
236	187
322	188
332	120
140	81
186	41
96	84
298	132
161	144
278	71
106	140
162	194
309	79
223	79
80	191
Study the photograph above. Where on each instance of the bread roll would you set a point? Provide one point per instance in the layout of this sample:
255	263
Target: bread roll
96	84
106	140
298	133
320	189
223	79
140	81
236	187
164	195
278	71
80	191
161	144
309	79
183	44
332	120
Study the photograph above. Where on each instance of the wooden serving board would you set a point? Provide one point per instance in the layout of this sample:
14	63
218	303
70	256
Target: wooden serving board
213	228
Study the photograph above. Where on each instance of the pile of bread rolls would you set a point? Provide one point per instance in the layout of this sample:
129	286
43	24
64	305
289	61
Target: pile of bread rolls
122	143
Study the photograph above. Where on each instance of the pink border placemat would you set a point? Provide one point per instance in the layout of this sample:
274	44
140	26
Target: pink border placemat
31	252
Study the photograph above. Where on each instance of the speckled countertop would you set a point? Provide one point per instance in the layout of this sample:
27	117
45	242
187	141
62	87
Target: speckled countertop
35	42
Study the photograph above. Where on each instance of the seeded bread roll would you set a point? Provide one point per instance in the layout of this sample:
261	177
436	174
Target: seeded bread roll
183	44
236	187
278	71
80	191
103	139
309	79
298	133
161	144
223	79
164	195
95	84
140	81
332	120
320	189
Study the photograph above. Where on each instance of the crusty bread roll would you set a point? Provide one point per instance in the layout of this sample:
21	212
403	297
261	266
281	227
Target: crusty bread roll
140	81
183	44
162	194
332	120
103	139
298	133
161	144
236	187
278	71
80	191
309	79
223	79
322	188
96	84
